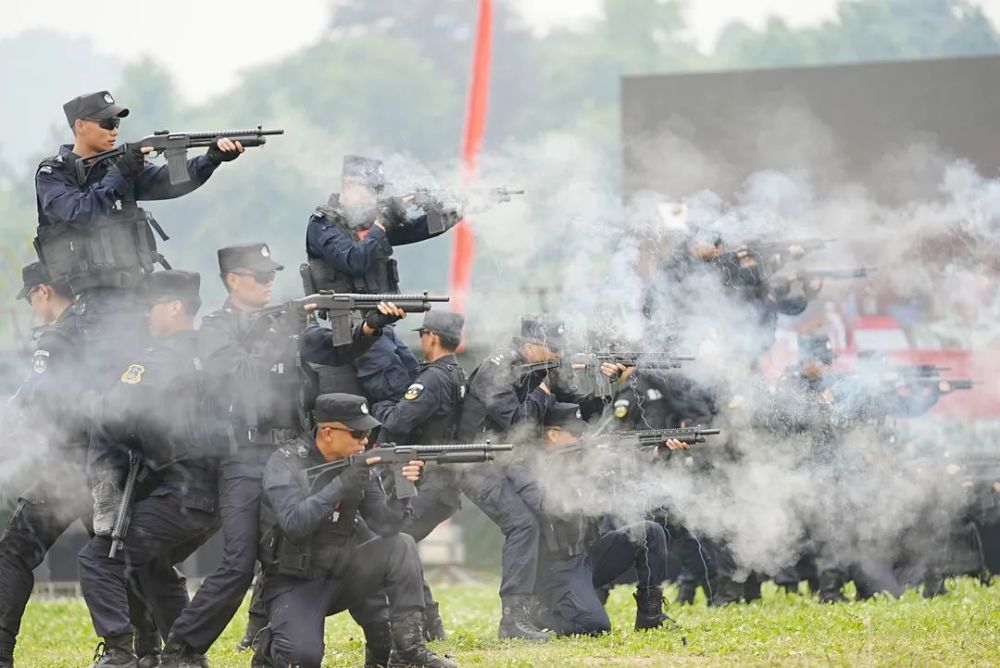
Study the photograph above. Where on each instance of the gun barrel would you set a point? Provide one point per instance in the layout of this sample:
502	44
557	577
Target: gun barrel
458	447
231	134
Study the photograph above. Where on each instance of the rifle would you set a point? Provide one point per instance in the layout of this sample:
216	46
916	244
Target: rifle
338	306
591	363
782	285
125	507
655	438
797	248
174	146
465	198
397	456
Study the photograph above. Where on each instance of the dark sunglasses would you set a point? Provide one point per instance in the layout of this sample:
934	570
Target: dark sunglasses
355	433
107	123
262	277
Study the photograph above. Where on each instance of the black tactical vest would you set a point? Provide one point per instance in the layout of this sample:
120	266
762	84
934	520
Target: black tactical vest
324	554
442	427
382	277
115	251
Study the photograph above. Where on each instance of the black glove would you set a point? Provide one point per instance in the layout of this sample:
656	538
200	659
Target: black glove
132	162
355	478
377	320
217	156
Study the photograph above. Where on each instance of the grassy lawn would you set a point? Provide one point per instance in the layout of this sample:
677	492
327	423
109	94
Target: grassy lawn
960	629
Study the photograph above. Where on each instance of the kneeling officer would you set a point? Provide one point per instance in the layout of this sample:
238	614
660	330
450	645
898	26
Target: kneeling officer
334	544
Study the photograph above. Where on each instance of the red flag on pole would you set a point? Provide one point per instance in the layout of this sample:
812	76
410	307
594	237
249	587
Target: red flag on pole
463	249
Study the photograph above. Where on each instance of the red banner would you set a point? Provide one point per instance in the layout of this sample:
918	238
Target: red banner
463	249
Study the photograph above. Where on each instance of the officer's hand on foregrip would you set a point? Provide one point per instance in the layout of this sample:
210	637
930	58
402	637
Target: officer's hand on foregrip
385	314
132	162
224	150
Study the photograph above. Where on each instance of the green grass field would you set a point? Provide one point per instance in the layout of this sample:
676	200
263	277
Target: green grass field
960	629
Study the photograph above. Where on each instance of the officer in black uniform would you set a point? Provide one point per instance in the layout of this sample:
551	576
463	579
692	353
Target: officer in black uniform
428	414
93	237
259	360
161	408
332	540
580	554
507	397
44	408
349	244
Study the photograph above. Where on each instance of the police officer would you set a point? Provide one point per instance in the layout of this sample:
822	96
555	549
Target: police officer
581	554
44	406
161	408
507	394
257	359
93	237
333	540
428	414
349	244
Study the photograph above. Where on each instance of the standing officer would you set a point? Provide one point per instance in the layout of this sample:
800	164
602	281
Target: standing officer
349	244
506	394
332	541
161	409
93	237
256	358
580	554
45	406
428	414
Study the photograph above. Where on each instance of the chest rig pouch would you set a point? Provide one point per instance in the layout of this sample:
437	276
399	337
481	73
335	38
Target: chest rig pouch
381	277
324	554
114	251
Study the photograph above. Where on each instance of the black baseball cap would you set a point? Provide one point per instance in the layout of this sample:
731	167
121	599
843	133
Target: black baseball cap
173	284
252	257
544	330
96	106
367	171
566	416
442	322
350	409
32	275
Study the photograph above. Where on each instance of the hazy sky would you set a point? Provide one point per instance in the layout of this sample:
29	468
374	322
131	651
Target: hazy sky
205	43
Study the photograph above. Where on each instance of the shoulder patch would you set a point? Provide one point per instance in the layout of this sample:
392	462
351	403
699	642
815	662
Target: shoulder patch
40	361
497	359
621	408
413	391
654	394
133	374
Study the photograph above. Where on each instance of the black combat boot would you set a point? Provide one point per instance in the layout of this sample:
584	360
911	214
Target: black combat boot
147	648
685	592
433	624
516	620
178	654
115	652
378	644
725	591
408	648
830	588
262	650
649	608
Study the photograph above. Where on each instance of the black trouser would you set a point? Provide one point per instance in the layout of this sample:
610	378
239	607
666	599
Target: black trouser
437	500
297	608
488	487
222	592
162	523
42	515
567	587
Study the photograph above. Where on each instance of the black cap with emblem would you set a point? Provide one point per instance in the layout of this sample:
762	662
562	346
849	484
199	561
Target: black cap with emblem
543	329
173	284
442	322
249	257
366	171
32	275
565	416
350	409
93	106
